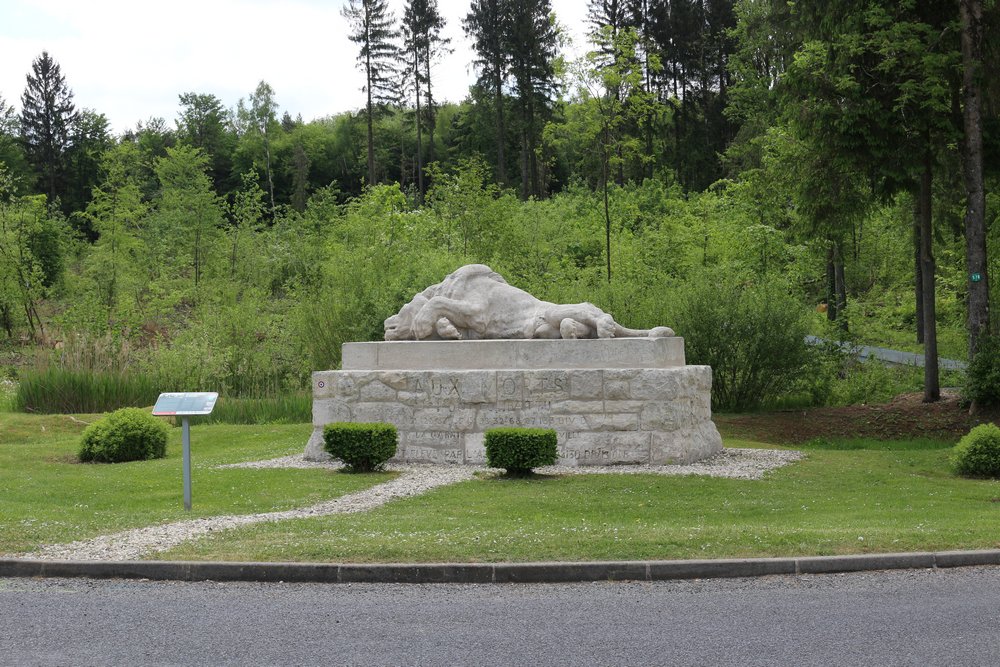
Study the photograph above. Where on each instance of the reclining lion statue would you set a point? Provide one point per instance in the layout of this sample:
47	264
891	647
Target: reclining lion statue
475	302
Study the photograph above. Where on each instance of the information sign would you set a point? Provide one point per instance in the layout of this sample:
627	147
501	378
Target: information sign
189	403
185	404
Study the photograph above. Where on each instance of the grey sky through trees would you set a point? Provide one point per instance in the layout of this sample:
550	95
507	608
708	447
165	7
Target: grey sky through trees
130	60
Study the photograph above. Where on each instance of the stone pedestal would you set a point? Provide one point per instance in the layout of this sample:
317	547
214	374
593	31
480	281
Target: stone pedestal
611	401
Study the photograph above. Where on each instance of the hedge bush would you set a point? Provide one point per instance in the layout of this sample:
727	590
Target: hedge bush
978	453
129	434
362	447
518	450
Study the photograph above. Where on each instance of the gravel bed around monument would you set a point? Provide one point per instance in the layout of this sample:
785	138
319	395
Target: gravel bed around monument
729	463
413	480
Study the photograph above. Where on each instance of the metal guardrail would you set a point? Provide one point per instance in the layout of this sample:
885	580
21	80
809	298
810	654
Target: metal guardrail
895	357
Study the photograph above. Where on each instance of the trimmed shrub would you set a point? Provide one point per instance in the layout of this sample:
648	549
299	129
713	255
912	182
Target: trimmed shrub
978	453
362	447
982	383
518	450
129	434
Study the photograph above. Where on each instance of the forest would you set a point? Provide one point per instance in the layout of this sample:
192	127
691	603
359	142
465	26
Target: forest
747	172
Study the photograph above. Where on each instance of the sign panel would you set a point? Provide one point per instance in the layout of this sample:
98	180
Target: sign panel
187	403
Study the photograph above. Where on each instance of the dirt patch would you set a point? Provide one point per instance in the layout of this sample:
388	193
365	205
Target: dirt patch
906	416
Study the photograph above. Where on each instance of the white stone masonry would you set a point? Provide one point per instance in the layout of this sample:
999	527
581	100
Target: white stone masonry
642	405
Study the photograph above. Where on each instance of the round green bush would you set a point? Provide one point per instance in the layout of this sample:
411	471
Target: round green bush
362	447
518	450
978	453
129	434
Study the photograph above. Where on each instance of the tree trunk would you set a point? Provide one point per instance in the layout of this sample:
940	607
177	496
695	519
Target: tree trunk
932	388
430	108
501	131
270	178
972	163
536	186
7	320
607	208
370	113
420	145
918	282
841	286
831	286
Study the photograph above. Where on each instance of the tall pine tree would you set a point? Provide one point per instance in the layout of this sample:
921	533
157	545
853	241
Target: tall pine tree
47	118
531	42
488	26
422	42
373	28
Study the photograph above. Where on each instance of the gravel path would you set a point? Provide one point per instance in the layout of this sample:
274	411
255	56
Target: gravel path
413	480
134	544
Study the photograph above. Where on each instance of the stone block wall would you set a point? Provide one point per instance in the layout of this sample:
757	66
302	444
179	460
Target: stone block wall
602	416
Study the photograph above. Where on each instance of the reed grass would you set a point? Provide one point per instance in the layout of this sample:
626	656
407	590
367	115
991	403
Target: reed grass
57	390
288	409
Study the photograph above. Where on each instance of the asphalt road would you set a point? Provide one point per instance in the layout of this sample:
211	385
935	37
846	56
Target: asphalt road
922	617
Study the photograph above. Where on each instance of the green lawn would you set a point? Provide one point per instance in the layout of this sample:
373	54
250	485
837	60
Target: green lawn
846	497
50	498
899	497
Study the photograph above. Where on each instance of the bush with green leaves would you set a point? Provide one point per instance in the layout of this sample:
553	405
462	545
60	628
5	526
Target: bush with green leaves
129	434
518	450
978	453
752	334
363	447
982	383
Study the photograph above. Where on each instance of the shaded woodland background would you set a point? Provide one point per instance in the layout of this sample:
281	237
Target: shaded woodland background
745	171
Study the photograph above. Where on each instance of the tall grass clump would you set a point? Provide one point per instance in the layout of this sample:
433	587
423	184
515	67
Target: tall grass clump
288	409
8	392
55	390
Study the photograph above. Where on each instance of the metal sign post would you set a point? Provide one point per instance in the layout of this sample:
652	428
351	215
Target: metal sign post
182	405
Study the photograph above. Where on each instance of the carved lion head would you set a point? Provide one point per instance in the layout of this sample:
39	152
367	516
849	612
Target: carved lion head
400	325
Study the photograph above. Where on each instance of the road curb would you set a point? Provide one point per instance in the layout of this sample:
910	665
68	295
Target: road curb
483	573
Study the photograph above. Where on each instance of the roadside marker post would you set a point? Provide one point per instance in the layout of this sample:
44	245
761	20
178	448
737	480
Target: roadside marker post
184	405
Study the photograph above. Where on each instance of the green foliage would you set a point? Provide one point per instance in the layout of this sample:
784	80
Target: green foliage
57	390
978	453
518	450
752	335
31	257
287	409
874	382
8	393
362	447
982	382
129	434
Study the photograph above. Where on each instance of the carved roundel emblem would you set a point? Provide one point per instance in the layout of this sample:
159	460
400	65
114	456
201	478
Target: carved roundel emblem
321	384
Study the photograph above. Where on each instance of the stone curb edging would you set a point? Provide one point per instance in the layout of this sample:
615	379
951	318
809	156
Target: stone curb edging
484	573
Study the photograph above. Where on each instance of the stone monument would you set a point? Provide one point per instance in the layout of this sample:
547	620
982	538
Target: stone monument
473	353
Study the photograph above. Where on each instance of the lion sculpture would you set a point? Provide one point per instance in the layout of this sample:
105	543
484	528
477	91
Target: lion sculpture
475	302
